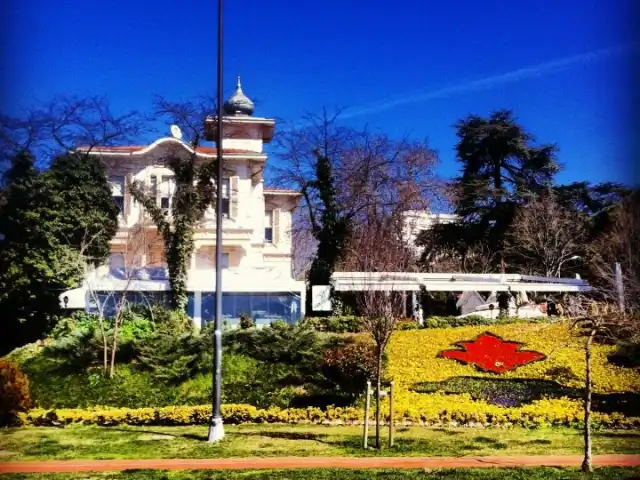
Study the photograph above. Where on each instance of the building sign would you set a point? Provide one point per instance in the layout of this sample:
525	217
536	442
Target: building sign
321	298
490	353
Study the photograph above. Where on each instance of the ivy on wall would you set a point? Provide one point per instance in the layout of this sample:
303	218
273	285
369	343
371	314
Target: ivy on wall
194	193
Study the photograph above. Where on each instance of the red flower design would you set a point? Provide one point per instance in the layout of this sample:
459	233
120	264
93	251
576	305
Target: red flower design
491	353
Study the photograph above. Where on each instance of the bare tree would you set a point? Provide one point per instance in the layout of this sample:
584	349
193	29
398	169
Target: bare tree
65	123
600	319
619	244
304	246
371	174
135	251
545	236
190	115
379	247
476	259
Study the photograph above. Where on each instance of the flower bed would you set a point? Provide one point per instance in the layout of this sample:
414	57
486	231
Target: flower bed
413	357
436	409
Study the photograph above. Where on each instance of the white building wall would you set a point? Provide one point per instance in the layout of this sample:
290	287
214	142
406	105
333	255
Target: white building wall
416	221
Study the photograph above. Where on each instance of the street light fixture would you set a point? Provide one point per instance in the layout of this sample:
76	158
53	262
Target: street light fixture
216	428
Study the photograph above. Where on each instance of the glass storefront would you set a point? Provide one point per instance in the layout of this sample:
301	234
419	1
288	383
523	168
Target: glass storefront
264	308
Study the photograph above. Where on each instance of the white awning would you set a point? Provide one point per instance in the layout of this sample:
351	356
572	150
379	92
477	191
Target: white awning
453	282
234	280
76	298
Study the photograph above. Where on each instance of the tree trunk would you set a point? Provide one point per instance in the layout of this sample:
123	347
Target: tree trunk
587	465
114	345
105	346
378	379
105	352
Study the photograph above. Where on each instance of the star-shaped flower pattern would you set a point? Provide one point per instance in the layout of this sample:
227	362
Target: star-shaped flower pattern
491	353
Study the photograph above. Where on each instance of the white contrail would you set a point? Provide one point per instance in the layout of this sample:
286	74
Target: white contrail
491	81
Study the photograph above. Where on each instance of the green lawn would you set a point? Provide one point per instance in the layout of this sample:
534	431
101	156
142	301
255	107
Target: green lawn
126	442
452	474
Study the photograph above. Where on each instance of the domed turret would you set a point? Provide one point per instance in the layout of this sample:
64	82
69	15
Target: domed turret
239	103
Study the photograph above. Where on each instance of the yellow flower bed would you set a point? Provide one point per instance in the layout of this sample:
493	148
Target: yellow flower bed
432	409
413	357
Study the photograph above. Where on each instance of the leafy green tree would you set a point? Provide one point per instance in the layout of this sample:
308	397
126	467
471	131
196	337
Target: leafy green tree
51	222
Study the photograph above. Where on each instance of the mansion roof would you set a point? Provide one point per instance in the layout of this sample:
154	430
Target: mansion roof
143	149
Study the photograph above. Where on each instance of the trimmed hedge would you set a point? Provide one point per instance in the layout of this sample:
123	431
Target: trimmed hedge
342	324
353	324
445	411
475	320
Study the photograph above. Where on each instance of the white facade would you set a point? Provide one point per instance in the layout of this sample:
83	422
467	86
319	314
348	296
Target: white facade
415	221
257	259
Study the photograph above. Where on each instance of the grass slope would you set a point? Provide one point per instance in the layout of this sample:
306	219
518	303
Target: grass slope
126	442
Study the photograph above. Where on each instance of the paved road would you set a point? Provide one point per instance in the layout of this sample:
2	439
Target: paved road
64	466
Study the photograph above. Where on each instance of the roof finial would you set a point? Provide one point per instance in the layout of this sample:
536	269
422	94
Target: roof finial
239	103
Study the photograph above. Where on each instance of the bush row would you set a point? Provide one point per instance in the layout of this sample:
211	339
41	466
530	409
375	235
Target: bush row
462	411
353	324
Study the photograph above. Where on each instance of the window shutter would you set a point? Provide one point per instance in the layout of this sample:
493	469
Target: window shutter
233	196
276	226
128	198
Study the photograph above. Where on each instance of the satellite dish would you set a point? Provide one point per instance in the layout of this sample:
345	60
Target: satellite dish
176	132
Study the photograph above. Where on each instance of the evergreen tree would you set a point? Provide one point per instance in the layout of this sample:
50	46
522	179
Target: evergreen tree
46	219
331	232
597	202
500	169
80	186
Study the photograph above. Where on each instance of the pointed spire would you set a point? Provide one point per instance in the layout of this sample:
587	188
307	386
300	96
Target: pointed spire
239	103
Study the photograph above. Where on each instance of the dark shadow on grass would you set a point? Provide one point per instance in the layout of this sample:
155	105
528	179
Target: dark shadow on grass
616	435
448	432
491	442
190	436
46	446
537	441
284	435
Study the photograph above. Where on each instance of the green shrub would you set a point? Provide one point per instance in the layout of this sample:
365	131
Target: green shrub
14	392
349	366
173	358
279	343
246	321
244	380
472	320
52	386
77	321
407	324
341	324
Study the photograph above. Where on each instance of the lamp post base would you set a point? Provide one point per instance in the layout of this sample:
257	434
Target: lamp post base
216	430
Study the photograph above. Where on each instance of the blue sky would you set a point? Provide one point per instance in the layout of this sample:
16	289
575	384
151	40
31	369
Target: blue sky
407	67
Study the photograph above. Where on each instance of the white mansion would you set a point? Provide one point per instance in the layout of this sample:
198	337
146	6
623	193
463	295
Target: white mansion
256	279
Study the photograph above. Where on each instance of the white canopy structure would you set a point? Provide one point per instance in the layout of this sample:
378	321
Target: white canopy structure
453	282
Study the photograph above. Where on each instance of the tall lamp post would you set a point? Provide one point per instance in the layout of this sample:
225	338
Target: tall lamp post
216	429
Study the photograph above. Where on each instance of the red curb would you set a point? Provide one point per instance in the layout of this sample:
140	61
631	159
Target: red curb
253	463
